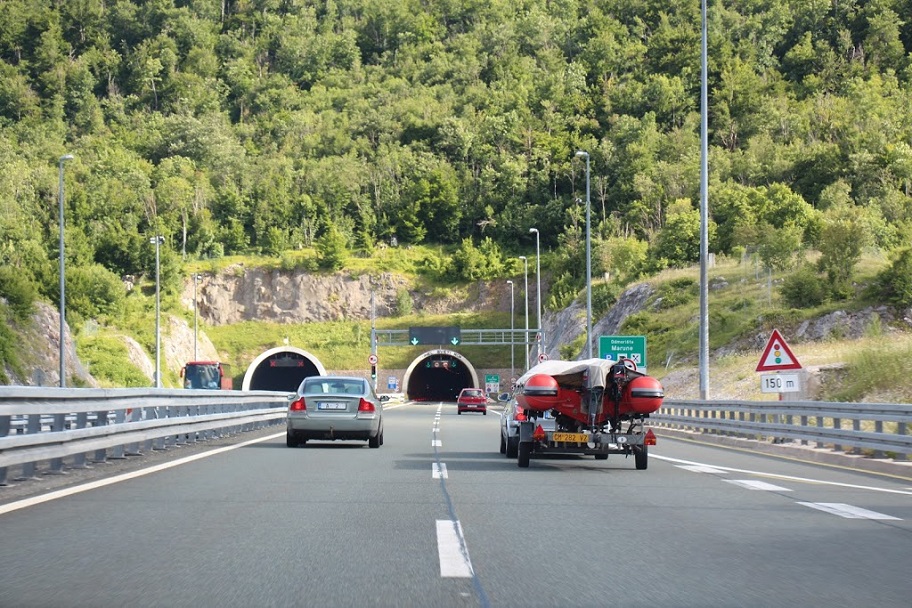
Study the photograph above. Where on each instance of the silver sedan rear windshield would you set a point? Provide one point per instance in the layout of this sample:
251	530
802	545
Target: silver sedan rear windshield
323	386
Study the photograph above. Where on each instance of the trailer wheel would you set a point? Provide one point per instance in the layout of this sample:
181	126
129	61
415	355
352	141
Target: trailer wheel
512	447
641	458
524	452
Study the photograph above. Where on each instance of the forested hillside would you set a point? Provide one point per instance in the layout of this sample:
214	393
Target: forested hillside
269	126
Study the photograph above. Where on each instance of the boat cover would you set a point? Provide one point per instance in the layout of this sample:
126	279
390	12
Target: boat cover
572	374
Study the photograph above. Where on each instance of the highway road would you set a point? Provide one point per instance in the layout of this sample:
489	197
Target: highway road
438	517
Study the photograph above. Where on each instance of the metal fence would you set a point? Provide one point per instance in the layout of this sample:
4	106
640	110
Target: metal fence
875	429
39	425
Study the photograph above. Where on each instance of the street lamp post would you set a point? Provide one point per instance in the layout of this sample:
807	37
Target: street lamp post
512	340
157	241
196	278
62	355
588	262
541	331
526	339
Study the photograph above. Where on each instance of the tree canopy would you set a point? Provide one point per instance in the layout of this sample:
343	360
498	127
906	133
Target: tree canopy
257	125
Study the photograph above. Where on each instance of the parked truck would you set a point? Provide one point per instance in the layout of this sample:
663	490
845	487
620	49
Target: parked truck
211	375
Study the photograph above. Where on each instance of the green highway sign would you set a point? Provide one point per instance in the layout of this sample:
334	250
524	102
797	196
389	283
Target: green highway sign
627	347
492	383
434	335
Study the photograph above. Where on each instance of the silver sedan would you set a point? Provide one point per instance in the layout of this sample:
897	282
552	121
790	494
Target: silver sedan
334	408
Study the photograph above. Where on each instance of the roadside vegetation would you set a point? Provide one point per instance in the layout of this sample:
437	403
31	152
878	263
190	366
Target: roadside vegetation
428	138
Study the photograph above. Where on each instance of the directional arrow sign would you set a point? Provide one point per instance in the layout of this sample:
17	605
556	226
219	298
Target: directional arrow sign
434	335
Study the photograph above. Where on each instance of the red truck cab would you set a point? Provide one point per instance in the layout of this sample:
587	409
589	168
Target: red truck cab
211	375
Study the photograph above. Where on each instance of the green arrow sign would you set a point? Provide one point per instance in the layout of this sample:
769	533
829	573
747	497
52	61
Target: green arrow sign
414	341
454	341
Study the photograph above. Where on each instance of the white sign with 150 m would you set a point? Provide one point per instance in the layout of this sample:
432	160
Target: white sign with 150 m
780	383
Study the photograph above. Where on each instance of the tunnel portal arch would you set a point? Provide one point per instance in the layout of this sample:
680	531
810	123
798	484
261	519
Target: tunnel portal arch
439	375
281	369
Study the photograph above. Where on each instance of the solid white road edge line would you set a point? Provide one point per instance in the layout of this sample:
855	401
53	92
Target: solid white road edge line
36	500
454	562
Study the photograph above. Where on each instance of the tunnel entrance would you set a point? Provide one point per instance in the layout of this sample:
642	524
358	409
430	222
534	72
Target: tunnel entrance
281	369
439	375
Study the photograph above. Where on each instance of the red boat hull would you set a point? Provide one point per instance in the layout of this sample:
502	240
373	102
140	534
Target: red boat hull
640	395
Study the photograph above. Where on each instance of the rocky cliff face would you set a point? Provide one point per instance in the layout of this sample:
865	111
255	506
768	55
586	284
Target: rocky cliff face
248	294
256	294
39	353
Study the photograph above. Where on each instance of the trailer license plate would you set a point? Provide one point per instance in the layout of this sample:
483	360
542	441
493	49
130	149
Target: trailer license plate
571	437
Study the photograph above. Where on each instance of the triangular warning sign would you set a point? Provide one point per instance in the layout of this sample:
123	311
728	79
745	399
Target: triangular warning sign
777	355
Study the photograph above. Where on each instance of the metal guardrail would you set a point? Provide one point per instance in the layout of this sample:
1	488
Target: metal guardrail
878	428
50	424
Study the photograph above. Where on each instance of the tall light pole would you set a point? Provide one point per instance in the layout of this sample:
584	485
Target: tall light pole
541	331
157	241
196	278
526	340
62	355
704	215
588	262
512	340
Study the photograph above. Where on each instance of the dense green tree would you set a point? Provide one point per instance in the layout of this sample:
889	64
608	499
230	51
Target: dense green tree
843	236
239	127
331	249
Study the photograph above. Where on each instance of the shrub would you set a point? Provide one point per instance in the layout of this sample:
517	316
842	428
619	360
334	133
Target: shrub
804	288
604	296
403	303
106	358
94	290
20	293
895	282
331	249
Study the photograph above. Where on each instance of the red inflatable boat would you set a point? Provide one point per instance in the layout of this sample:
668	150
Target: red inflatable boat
591	391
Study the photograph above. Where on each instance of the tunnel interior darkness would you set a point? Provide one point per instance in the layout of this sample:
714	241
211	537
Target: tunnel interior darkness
282	371
439	377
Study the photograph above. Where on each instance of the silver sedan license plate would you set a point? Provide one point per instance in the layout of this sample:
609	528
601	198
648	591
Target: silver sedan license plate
330	405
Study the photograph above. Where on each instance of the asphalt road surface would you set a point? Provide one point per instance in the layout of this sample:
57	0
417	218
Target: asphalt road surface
438	517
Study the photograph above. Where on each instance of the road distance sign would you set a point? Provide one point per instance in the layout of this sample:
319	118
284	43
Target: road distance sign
780	383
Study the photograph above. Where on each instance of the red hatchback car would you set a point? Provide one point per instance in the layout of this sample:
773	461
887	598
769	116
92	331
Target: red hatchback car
472	400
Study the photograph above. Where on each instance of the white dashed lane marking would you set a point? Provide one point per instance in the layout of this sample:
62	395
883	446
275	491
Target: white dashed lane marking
454	558
752	484
699	468
438	470
847	511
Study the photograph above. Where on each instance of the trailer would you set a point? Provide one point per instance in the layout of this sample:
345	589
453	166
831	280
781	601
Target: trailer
599	406
635	440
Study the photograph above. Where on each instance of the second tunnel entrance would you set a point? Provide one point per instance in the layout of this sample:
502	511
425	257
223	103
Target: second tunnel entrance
439	375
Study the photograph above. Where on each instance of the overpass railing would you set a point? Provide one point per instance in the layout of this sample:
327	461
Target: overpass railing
40	425
876	429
